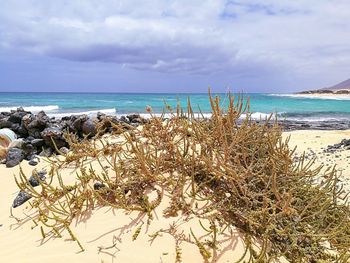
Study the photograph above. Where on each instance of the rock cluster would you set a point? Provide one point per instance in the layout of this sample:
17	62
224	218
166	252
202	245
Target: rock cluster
288	125
292	125
343	145
325	91
42	135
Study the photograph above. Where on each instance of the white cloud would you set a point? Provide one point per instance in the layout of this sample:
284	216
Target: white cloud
200	36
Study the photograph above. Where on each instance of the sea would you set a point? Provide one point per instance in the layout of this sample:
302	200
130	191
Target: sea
285	106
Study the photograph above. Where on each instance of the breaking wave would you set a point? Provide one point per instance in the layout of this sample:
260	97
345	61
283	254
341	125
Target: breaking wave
89	113
32	108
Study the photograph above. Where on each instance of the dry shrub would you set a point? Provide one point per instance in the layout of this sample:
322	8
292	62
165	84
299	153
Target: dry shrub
241	169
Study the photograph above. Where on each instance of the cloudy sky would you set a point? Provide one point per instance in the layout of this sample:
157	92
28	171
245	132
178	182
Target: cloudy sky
173	45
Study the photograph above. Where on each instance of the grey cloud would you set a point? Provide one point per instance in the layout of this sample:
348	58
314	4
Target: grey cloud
183	36
169	58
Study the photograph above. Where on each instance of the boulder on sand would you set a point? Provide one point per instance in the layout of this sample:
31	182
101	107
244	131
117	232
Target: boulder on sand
20	199
14	157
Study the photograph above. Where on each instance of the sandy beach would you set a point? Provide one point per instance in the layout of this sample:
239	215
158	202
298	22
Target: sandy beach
111	229
314	144
174	131
103	228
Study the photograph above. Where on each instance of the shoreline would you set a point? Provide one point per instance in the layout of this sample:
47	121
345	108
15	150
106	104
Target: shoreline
40	135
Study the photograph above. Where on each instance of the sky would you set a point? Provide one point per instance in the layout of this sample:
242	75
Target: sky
173	45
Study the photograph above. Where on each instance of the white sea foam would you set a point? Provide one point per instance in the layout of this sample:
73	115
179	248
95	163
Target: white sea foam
311	119
311	96
89	113
258	115
31	108
254	116
167	115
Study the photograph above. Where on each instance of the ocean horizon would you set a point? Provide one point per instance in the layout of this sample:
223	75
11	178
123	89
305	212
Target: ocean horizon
286	106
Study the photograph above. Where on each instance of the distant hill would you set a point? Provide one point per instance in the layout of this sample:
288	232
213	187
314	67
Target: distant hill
342	85
340	88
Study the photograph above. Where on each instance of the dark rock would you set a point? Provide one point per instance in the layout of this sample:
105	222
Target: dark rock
5	114
28	149
5	123
114	120
38	143
14	157
14	127
17	116
22	131
342	91
101	116
53	136
33	180
36	133
42	119
136	119
27	119
98	186
133	117
77	123
124	119
288	125
20	199
30	138
36	124
345	142
32	126
89	128
33	162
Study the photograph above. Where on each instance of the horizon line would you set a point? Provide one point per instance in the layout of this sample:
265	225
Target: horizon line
131	92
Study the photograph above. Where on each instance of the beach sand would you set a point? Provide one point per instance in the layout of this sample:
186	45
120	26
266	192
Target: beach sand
313	143
105	227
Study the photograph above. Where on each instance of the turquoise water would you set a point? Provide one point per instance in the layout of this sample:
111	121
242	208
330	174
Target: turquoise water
60	104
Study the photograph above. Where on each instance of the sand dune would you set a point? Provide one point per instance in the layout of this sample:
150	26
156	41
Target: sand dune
105	228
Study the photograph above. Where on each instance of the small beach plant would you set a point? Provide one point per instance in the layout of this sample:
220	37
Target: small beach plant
228	170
